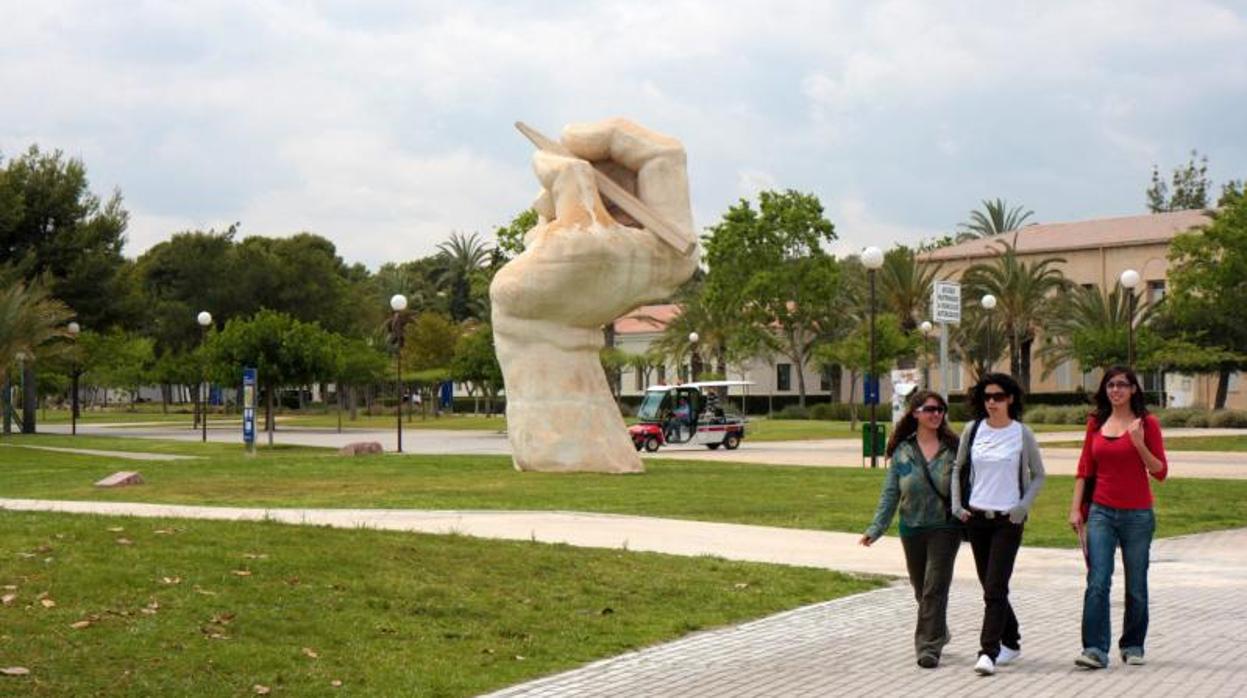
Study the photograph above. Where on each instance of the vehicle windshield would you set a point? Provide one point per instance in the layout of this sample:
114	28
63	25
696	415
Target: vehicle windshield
651	406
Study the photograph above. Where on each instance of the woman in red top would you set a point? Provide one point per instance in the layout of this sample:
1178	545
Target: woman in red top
1123	447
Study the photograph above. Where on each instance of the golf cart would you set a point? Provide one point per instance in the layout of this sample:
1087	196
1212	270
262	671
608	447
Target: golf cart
687	414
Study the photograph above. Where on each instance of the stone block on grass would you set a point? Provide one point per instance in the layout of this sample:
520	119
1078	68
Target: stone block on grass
360	448
122	478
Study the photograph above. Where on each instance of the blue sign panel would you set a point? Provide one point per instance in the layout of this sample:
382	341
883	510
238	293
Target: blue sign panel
870	386
249	376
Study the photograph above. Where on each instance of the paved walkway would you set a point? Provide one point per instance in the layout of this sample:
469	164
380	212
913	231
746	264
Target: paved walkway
858	645
125	455
813	453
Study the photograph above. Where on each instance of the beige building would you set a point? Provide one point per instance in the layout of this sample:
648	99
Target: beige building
1095	253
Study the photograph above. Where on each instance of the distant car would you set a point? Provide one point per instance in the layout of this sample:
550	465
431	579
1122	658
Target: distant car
687	414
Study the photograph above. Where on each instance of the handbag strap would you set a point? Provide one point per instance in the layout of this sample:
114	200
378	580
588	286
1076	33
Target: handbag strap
927	471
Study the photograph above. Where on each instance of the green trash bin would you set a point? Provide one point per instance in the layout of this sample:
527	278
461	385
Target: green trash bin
880	440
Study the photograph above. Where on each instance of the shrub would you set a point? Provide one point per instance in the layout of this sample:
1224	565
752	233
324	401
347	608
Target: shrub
1228	419
1041	415
792	412
1175	416
1197	420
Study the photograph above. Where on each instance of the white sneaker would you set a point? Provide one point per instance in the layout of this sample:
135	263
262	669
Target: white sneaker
1007	655
985	666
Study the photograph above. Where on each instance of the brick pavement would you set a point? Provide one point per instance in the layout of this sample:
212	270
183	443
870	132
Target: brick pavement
861	645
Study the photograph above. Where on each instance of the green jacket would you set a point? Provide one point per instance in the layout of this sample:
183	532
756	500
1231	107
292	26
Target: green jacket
906	487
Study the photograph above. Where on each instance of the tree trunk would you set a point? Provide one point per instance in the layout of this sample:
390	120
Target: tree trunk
1025	375
268	415
166	394
852	401
6	405
30	397
354	400
1223	387
194	393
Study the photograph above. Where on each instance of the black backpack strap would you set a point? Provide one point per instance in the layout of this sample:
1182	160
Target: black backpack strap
967	471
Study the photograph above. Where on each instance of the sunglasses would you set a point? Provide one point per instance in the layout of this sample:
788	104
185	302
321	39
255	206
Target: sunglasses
995	397
931	409
1118	385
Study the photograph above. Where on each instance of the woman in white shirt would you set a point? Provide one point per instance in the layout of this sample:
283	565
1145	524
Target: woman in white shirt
999	473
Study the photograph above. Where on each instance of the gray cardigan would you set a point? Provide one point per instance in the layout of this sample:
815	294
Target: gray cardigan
1032	473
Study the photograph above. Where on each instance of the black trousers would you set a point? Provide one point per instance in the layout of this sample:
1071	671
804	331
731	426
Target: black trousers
929	557
995	543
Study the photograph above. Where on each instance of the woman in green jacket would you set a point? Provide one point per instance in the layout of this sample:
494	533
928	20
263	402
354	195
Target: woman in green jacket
922	451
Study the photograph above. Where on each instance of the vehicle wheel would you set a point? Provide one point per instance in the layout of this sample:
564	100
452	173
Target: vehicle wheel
731	442
651	443
712	446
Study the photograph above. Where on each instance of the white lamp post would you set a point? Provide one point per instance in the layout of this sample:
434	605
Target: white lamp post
1130	279
988	301
205	321
73	329
926	328
693	359
872	259
398	303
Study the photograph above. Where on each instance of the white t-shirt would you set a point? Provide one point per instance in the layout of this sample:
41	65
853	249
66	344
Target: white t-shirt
997	458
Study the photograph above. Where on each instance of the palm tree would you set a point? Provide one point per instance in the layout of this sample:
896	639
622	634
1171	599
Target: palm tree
1026	298
32	322
995	218
1091	328
906	288
463	256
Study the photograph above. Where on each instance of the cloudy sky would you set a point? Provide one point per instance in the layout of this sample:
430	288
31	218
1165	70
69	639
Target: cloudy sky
386	125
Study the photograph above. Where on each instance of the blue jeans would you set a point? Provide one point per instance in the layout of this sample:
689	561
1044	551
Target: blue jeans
1107	528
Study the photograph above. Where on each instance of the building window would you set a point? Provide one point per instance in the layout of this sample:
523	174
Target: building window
824	380
1234	382
954	376
662	374
1087	286
1155	291
783	377
640	378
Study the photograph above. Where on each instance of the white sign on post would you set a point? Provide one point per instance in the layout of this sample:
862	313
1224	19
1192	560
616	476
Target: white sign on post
946	302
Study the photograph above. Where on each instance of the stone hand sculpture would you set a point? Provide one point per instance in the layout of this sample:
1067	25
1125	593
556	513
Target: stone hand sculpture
585	264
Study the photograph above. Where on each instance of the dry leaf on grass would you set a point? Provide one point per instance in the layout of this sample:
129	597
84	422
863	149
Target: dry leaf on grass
336	683
162	532
223	618
8	599
255	556
242	573
311	652
124	541
14	671
9	587
205	592
261	690
151	608
47	603
116	529
26	555
170	580
81	624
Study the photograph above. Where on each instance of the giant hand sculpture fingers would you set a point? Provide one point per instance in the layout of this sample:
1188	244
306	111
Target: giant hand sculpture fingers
583	266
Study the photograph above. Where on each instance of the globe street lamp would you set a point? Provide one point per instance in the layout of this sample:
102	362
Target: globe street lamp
205	321
1130	279
989	304
73	329
398	303
872	259
693	358
926	328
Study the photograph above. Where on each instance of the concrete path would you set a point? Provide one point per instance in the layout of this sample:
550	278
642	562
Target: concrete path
125	455
859	645
812	453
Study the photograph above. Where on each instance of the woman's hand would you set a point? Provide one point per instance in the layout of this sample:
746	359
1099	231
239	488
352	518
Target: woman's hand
1136	433
1075	519
865	540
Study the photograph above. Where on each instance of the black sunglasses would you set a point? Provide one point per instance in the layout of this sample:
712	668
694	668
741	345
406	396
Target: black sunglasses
936	409
995	397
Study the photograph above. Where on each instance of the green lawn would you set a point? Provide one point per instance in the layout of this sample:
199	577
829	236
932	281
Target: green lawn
1186	443
835	499
216	608
125	416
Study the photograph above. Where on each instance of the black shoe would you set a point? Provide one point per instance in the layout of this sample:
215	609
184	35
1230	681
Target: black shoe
928	661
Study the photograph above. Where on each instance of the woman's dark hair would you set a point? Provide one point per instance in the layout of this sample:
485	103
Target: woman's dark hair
1103	408
908	425
1003	381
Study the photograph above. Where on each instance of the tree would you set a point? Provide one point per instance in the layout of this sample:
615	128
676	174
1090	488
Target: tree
33	326
283	350
769	265
1026	297
53	224
117	359
995	218
1188	188
1092	327
892	341
1207	291
361	364
463	256
510	237
429	342
906	288
475	364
